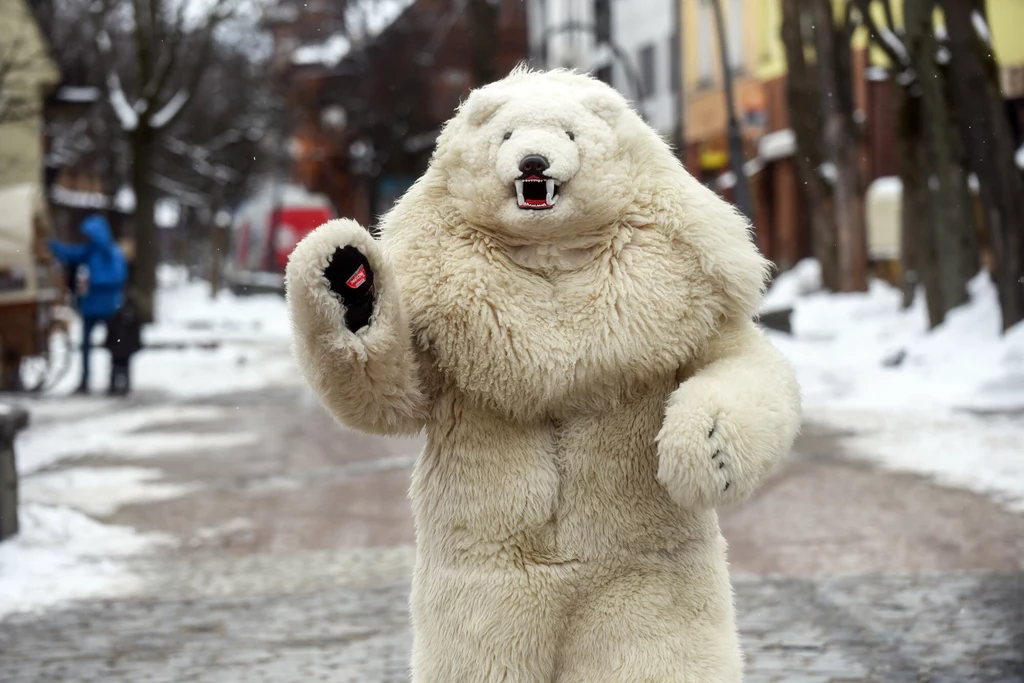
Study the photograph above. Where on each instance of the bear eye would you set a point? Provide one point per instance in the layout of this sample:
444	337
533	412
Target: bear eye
507	135
571	135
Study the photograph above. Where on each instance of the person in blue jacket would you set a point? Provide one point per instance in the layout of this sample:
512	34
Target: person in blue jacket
100	273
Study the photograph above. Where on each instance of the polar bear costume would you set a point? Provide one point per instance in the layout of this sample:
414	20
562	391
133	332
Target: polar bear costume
567	313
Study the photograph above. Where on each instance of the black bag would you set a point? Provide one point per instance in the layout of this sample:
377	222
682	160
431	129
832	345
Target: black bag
124	332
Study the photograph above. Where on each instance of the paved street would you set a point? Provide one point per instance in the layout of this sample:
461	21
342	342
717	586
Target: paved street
294	553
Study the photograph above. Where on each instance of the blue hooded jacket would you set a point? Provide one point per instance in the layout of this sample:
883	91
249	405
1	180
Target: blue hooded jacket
107	268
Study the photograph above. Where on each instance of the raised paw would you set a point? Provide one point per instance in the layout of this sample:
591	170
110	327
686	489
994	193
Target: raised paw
336	279
350	278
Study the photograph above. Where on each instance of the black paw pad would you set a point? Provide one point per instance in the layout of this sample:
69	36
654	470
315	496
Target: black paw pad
350	277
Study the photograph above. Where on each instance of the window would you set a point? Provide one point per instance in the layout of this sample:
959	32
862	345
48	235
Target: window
648	73
735	32
705	43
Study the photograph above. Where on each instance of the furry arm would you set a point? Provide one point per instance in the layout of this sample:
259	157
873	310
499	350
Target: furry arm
730	422
367	378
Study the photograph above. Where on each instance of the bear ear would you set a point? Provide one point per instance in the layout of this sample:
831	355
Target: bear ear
482	104
605	103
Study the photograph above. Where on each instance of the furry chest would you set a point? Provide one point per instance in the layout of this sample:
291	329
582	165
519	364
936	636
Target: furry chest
547	490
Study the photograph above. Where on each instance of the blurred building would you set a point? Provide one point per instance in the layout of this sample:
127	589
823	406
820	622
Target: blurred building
756	57
27	74
368	98
632	46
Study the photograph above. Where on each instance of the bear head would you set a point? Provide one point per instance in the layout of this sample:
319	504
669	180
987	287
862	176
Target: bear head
556	255
540	159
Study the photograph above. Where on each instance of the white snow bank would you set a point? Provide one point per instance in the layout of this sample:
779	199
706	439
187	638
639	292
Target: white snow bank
915	396
200	346
803	279
114	433
841	341
100	491
982	455
60	554
328	53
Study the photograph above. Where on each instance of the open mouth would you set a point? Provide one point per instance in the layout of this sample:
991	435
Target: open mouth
536	192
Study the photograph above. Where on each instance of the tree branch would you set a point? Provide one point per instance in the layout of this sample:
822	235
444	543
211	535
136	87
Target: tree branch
884	37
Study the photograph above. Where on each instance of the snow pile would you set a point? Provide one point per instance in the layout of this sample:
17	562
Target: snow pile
63	555
100	491
364	20
945	402
201	346
328	53
113	430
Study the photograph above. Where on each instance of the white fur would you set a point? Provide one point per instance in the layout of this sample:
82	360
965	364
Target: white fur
568	366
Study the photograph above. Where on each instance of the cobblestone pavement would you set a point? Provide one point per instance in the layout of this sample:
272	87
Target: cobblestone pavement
329	622
842	573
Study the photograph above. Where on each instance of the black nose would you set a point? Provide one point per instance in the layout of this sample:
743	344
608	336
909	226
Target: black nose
534	163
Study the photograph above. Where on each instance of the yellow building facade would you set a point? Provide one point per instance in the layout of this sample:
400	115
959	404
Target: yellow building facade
757	59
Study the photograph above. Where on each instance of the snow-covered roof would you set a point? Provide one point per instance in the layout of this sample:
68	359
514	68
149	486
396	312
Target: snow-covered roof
328	53
876	73
889	186
78	199
167	213
365	20
124	200
776	145
726	181
78	94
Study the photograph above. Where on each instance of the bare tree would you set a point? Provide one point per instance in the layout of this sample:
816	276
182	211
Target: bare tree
990	144
804	94
483	18
154	54
939	236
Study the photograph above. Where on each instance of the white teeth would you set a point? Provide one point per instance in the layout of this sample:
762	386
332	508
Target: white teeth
519	192
551	191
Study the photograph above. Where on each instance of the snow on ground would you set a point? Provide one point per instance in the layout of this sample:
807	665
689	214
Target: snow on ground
100	491
61	554
946	403
118	431
199	346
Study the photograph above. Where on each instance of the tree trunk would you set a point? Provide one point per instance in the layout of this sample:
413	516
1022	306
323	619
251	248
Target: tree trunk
951	219
803	93
920	262
914	205
146	248
218	247
990	150
840	142
484	40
